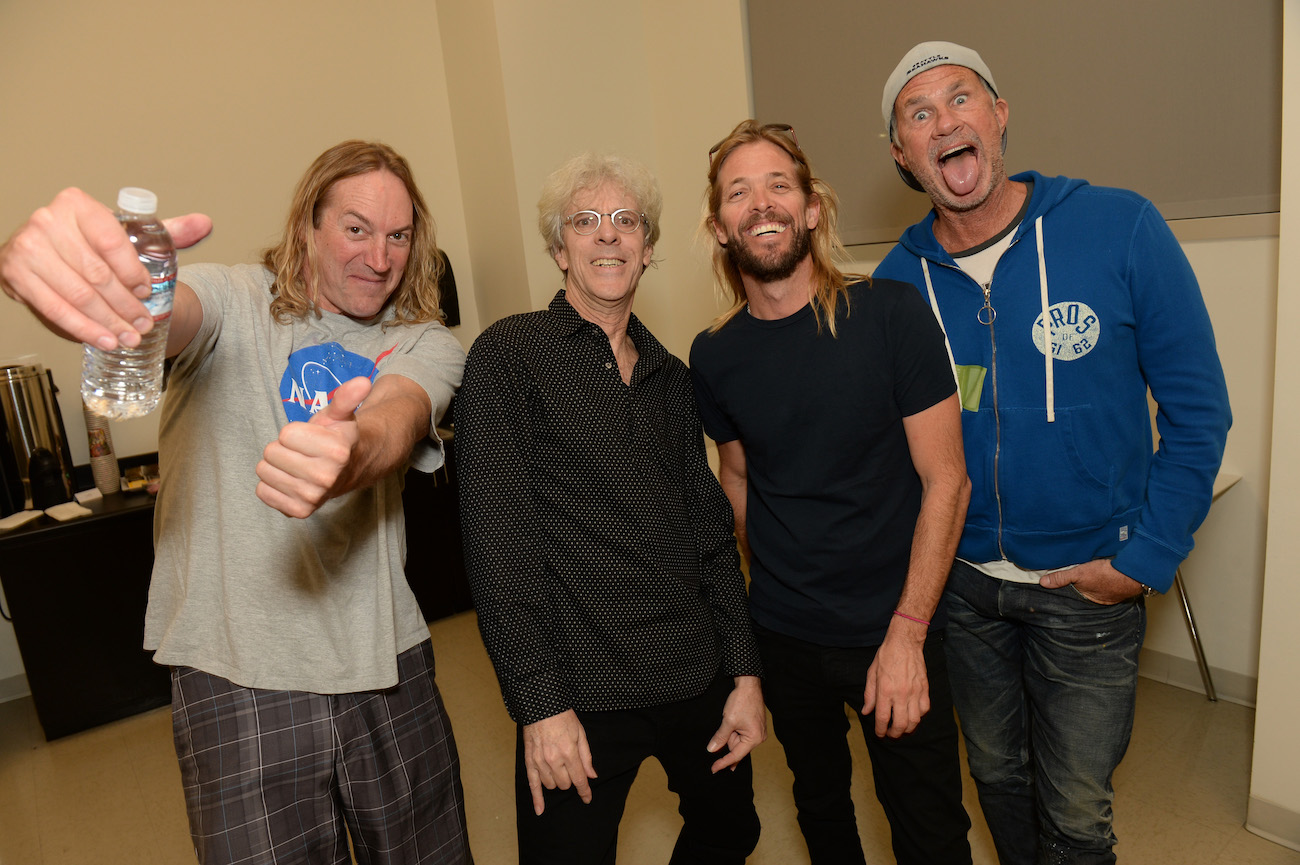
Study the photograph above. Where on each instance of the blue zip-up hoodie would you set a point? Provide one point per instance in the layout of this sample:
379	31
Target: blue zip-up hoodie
1058	443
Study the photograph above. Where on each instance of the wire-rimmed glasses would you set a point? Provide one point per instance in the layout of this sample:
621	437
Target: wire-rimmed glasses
588	221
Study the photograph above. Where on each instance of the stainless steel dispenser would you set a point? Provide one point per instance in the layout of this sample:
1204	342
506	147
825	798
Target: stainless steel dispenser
31	421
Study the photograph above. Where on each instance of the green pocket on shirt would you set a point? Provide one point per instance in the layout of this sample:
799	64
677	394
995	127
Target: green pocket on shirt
970	383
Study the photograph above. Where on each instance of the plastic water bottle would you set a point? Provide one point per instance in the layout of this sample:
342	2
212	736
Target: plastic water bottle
127	382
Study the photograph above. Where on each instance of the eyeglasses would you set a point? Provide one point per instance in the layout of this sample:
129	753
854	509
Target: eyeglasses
588	221
766	127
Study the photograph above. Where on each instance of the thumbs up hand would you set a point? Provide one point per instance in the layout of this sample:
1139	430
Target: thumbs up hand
306	465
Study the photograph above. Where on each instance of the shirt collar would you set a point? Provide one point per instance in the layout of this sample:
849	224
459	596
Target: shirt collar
568	323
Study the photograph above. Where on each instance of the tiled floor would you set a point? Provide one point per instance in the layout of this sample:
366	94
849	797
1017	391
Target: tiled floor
111	796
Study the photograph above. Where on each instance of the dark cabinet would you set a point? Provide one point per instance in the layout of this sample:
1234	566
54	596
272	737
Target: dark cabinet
77	593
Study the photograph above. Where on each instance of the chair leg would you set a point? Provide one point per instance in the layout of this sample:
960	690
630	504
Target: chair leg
1196	639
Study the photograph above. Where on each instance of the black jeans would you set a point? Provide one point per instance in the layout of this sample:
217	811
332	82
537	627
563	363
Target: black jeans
721	826
917	777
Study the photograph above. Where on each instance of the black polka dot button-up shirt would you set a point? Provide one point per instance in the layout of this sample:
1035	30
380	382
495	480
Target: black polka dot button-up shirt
599	546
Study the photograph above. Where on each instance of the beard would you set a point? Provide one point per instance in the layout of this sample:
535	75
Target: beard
772	266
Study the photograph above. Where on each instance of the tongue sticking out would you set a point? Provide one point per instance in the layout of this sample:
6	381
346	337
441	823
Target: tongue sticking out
960	170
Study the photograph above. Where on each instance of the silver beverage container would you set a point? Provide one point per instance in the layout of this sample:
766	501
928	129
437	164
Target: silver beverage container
31	421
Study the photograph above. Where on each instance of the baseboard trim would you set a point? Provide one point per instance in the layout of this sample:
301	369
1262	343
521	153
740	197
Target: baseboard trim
1270	820
1184	673
14	688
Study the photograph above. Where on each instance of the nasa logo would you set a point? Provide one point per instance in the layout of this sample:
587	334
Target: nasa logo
315	372
1076	330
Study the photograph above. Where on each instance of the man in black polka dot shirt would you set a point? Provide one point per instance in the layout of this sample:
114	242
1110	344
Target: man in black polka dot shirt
600	548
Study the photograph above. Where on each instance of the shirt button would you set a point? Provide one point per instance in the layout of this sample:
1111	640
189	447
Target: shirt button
609	365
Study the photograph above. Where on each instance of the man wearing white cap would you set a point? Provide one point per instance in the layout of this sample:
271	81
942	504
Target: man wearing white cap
1072	519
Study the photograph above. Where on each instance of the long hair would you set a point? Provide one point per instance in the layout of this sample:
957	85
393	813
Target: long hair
830	282
296	285
590	171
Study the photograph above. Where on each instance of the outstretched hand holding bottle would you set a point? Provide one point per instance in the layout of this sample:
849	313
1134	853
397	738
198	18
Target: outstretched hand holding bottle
75	268
126	382
89	280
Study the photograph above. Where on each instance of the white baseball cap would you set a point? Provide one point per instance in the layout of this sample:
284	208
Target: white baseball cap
925	56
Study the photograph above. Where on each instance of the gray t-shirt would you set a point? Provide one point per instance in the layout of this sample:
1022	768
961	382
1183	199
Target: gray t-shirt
239	590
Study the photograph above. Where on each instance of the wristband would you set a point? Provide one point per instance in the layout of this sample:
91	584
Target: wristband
911	618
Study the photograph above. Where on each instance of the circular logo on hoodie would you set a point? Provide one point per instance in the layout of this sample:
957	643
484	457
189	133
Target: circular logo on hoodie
1075	330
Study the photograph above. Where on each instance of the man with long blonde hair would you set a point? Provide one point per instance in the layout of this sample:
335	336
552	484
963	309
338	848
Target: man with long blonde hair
297	285
836	417
821	243
305	712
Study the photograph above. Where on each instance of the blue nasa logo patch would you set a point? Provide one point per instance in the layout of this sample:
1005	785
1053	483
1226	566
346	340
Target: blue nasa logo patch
314	373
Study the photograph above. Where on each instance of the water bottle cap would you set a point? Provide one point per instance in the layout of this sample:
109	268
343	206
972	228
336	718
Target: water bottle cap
133	199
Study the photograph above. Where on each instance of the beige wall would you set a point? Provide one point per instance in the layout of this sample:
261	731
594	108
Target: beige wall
1224	574
1275	778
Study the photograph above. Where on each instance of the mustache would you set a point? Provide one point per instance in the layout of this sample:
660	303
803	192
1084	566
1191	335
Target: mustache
768	216
942	151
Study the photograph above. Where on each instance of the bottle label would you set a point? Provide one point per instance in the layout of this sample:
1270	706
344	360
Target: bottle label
159	301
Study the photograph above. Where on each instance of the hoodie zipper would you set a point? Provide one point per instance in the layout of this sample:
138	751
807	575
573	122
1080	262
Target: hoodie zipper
986	316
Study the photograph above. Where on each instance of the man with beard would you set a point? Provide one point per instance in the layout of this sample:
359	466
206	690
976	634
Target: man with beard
1072	520
837	419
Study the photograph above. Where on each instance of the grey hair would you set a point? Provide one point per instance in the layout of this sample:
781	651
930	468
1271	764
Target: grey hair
590	171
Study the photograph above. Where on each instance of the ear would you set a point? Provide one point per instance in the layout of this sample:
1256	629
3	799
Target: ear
646	255
1003	111
813	211
718	233
897	152
562	259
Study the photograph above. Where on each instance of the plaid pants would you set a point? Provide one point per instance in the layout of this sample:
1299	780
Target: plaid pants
276	776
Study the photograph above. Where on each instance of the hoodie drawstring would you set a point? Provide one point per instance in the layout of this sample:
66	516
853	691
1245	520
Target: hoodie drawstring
1050	394
934	307
1048	344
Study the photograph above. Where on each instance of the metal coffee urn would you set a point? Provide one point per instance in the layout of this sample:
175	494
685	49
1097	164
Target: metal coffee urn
31	425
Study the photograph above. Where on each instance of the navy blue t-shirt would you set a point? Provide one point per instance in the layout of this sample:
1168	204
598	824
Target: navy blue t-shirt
833	496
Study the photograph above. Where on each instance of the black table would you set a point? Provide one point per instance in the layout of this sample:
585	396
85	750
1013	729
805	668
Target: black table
77	592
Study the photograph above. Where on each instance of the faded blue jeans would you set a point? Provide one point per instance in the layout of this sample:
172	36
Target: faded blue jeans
1045	683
